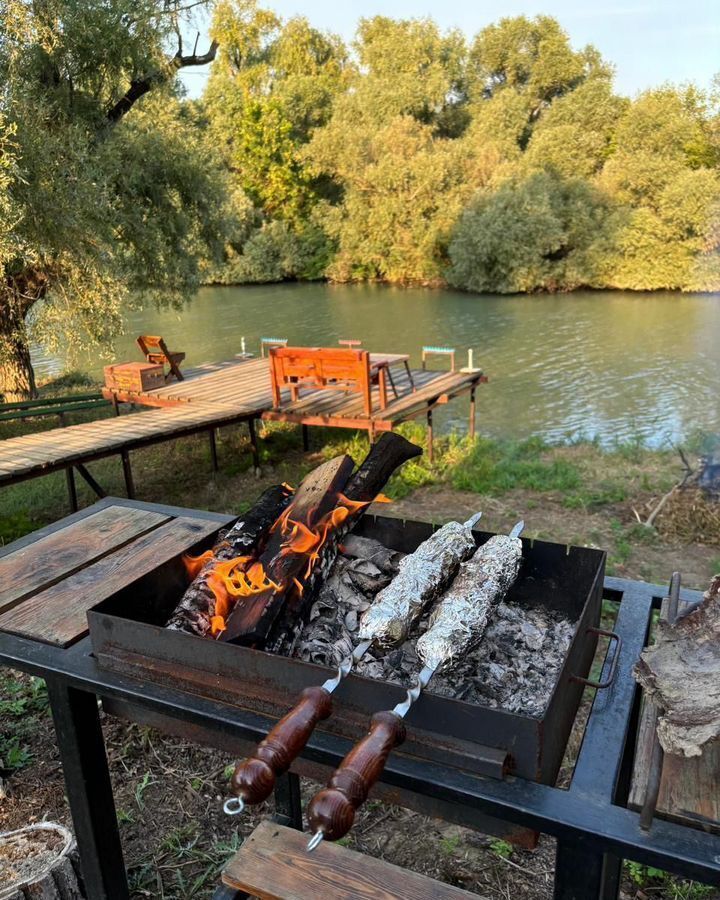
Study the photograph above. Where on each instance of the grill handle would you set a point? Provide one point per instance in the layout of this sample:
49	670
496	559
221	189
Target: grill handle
254	778
332	811
599	685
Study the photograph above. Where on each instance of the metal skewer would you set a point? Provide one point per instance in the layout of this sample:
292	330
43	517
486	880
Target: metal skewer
253	779
365	762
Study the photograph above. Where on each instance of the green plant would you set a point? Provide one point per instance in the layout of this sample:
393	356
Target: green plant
449	845
140	789
502	848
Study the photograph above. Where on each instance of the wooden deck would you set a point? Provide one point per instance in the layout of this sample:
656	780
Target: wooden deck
246	385
34	455
222	394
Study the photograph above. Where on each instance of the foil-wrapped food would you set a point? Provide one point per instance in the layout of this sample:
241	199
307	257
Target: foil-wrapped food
422	576
459	620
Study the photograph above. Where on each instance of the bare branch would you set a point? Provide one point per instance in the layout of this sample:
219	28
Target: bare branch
140	86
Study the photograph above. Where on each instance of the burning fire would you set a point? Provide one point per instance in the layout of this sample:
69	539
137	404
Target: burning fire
244	576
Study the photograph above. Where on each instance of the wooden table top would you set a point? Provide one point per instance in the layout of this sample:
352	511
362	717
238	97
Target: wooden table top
51	578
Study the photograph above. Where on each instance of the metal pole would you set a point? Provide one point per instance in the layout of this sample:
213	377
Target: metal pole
471	426
430	434
89	791
213	449
127	472
254	445
72	490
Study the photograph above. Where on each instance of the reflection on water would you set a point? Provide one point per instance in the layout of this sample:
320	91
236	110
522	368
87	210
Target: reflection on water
616	365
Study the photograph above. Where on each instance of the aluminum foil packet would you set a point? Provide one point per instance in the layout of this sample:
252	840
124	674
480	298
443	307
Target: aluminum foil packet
422	576
458	622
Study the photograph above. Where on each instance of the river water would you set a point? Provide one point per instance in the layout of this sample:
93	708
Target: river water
618	366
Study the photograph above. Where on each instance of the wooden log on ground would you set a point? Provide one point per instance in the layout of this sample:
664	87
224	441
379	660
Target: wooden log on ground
197	606
36	864
681	675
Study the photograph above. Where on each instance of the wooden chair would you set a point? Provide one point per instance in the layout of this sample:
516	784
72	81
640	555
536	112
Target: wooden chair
320	367
274	863
155	350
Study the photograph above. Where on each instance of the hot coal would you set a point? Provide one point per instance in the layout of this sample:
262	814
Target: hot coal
514	667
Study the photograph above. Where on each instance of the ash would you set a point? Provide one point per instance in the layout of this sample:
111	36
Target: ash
514	667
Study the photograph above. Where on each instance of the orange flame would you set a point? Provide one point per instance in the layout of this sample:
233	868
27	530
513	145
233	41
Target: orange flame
244	576
193	564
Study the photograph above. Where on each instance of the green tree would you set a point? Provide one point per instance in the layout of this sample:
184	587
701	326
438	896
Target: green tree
97	203
541	233
272	85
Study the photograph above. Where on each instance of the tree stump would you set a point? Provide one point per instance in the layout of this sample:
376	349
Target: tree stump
37	863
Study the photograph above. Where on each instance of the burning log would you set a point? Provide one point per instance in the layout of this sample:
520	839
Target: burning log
307	539
456	625
681	674
292	550
197	608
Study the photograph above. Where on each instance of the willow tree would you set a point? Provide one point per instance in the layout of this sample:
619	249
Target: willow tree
105	194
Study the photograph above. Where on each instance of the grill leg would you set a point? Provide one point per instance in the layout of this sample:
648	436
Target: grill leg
127	472
288	802
87	782
581	874
213	449
72	490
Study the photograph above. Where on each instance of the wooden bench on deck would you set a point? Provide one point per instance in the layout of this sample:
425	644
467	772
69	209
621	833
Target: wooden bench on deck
274	863
155	351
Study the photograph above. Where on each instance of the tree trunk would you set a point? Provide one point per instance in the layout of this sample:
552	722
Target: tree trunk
17	378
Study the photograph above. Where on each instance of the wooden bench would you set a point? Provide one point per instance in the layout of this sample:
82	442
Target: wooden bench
52	406
155	350
273	863
320	367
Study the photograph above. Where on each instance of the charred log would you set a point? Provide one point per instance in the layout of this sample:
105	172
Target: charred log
197	606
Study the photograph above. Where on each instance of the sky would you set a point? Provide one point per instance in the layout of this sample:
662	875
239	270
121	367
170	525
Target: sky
648	41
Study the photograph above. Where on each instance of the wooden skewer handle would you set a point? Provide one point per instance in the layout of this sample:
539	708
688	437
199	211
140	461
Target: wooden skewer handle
333	809
254	778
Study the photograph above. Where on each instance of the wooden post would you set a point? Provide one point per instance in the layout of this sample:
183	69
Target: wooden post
116	405
382	387
430	434
213	449
305	438
127	472
72	491
254	445
471	426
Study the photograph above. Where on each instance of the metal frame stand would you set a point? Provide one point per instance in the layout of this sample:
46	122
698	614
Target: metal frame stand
594	829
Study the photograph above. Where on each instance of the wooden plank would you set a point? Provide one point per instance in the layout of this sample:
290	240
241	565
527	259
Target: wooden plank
50	559
273	864
58	615
689	787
